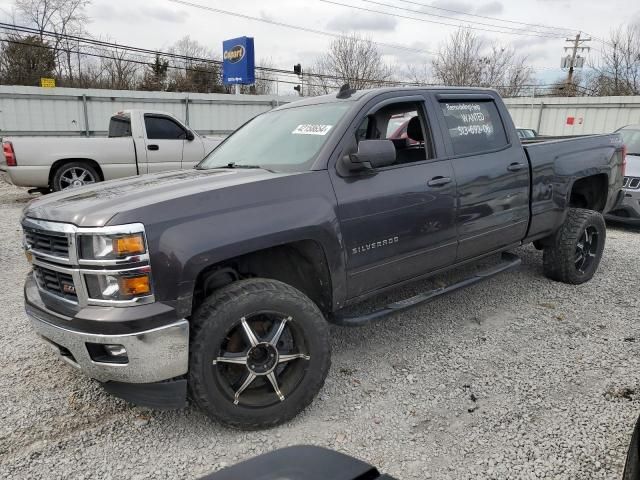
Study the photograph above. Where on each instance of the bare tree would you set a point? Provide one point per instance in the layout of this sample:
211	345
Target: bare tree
194	69
466	60
120	72
457	62
563	88
420	74
265	80
618	71
55	19
351	59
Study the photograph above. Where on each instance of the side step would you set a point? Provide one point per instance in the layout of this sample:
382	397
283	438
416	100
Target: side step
509	261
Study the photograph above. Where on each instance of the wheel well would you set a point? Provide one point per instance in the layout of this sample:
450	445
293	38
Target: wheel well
590	193
301	264
58	163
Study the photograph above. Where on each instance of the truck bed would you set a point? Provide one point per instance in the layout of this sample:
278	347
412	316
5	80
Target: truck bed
555	162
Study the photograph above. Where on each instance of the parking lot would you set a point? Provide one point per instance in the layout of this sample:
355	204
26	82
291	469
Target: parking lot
518	377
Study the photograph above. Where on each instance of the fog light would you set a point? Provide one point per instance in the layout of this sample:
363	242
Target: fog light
115	350
107	353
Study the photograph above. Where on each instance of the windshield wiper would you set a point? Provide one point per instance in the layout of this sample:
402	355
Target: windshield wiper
634	154
235	165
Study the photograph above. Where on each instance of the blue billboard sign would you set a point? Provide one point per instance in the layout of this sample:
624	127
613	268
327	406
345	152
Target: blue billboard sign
238	61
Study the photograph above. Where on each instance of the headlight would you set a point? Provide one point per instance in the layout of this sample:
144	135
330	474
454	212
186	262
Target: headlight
111	247
118	287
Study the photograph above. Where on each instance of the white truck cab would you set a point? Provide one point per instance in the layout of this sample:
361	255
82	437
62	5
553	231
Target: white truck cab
139	142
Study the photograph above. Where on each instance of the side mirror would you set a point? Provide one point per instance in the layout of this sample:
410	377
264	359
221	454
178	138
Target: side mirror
371	154
190	136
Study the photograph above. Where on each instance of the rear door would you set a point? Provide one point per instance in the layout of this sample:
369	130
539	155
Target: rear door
397	222
164	142
492	174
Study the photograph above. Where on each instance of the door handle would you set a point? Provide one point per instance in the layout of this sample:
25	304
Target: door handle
153	147
439	181
516	167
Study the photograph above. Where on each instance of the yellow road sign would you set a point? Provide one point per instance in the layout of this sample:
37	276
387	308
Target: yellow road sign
48	82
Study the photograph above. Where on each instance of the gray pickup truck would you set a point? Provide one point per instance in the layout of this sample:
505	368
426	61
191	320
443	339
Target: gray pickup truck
220	282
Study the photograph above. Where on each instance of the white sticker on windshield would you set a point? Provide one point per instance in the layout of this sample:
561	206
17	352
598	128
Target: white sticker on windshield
312	129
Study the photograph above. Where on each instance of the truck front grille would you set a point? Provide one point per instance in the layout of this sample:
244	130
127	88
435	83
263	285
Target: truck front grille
57	283
47	243
632	183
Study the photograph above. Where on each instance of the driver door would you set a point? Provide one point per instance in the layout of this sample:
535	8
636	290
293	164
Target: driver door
397	222
164	143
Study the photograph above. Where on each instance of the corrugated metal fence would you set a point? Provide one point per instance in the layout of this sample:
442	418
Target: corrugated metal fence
574	115
74	111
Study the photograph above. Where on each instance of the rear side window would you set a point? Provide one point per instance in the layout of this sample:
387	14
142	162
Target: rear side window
163	128
120	126
474	127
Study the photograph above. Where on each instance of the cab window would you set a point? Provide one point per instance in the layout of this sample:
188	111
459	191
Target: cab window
474	126
404	124
163	128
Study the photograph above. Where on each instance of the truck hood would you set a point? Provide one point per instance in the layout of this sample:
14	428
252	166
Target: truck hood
95	205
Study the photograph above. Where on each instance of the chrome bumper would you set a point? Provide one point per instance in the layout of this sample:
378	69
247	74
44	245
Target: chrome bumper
153	355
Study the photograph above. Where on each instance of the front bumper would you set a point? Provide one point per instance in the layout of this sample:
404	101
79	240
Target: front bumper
628	211
153	355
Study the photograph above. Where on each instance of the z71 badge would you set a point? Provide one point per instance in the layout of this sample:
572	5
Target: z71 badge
373	245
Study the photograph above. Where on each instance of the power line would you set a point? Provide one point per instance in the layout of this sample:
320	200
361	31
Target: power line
489	18
370	10
139	62
390	83
295	27
520	30
94	43
175	56
561	29
200	70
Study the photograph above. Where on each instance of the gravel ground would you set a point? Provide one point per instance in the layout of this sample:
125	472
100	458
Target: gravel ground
518	377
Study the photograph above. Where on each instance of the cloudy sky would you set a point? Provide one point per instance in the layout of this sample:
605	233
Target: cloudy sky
159	23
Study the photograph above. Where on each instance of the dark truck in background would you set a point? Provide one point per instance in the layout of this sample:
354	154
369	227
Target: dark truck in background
220	281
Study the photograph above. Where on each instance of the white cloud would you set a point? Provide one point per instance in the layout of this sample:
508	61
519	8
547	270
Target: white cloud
369	21
491	8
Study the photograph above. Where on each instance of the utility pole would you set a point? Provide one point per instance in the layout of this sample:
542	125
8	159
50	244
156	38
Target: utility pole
574	61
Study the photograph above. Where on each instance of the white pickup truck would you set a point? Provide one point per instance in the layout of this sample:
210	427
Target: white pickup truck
139	142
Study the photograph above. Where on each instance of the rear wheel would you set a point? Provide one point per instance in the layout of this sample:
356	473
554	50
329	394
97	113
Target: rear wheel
259	353
73	174
577	248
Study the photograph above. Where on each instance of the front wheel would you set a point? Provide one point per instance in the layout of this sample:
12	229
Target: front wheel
577	247
259	353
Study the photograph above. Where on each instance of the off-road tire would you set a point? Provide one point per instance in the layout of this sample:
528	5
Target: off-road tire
56	184
217	316
559	258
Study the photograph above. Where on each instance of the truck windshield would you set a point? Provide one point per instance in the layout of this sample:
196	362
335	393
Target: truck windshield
280	140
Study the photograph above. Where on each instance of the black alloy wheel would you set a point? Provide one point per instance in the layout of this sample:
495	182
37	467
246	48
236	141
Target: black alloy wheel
261	359
572	255
586	249
259	353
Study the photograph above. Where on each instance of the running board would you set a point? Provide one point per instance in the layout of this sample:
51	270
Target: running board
509	261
